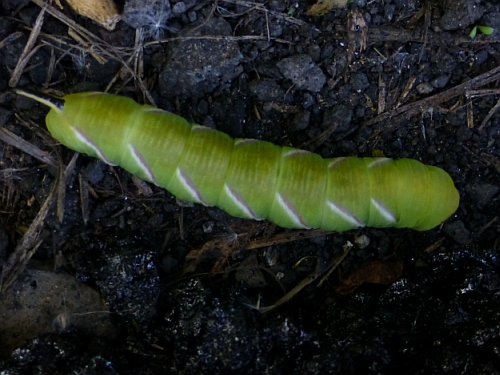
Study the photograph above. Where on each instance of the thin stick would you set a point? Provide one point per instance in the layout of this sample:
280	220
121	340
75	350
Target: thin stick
425	104
488	116
10	138
28	49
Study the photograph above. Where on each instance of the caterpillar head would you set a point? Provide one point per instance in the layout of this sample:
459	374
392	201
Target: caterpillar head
77	122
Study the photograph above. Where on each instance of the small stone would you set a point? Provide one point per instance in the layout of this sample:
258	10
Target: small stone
308	100
481	193
432	150
315	52
339	115
267	90
457	230
94	172
269	69
480	57
460	14
359	82
197	67
441	81
179	8
389	11
192	16
362	241
464	134
303	72
5	116
425	88
300	121
277	5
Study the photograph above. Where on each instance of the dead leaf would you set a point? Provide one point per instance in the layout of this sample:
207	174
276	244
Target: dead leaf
220	248
357	35
374	272
324	6
104	12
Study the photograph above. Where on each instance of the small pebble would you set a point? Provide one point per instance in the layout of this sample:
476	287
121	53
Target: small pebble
425	88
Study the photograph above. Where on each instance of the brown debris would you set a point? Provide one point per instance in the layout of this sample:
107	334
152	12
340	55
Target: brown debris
220	248
357	36
409	85
10	138
285	237
470	114
382	92
488	116
423	105
10	38
324	6
319	271
61	188
28	245
104	12
29	49
84	198
57	302
374	272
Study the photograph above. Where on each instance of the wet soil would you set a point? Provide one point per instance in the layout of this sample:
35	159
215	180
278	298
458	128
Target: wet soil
187	289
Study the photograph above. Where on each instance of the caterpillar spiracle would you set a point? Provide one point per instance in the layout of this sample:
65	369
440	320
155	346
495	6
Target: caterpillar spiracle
248	178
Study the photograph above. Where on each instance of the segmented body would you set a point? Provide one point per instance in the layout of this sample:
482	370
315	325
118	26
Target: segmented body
253	179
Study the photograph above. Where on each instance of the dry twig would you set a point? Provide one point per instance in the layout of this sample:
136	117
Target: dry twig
311	278
434	100
10	138
28	50
28	245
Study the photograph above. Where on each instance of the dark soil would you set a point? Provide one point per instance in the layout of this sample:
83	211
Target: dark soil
182	284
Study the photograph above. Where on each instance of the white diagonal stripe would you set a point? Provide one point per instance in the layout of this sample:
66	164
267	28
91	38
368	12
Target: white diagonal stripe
378	161
240	202
291	212
345	213
154	110
245	141
86	140
295	153
200	128
335	163
189	186
141	163
384	211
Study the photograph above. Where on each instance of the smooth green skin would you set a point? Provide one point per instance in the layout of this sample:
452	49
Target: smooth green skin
249	178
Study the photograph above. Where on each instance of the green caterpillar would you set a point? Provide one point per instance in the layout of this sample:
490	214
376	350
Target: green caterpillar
249	178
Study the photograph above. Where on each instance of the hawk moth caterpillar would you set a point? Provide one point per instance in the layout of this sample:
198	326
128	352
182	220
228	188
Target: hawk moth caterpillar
248	178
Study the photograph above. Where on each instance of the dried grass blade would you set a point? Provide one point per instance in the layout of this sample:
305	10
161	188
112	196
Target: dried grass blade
28	245
10	138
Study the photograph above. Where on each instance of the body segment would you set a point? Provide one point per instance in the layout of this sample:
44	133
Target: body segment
249	178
